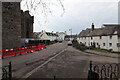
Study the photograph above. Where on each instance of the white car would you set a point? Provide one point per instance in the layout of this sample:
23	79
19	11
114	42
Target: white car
69	43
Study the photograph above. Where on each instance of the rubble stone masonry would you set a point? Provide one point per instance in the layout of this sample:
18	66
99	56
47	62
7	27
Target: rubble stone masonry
11	25
14	25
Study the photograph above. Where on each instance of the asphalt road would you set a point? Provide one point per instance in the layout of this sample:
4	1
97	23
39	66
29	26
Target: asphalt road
70	63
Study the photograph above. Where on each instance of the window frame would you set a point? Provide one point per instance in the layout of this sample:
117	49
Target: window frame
110	37
110	44
103	44
118	36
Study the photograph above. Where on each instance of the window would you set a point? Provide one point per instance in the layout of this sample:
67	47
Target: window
97	44
100	37
118	45
118	36
110	44
103	44
91	38
110	37
91	43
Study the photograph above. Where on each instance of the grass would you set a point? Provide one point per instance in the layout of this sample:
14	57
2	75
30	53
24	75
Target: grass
82	47
101	50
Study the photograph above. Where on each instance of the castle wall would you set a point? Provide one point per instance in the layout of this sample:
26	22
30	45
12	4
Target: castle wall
11	25
14	25
0	25
27	25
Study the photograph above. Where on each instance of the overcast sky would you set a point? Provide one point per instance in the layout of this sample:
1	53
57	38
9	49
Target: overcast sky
78	15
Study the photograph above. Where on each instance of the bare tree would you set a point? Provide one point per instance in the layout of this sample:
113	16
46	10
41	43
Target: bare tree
43	5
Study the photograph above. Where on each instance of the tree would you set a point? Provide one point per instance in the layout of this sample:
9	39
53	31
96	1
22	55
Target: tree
43	5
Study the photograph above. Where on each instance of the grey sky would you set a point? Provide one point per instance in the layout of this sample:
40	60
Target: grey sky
78	15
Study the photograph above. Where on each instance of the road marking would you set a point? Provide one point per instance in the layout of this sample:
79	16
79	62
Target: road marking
34	70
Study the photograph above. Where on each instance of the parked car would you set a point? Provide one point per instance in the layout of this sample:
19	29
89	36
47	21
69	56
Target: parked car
69	43
60	41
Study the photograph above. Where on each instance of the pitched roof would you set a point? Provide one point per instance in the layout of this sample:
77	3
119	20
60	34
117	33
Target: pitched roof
106	29
69	36
84	33
51	34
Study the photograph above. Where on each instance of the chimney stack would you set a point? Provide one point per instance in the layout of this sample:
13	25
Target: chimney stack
93	27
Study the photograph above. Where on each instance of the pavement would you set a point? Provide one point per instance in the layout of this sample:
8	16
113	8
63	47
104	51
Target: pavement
113	55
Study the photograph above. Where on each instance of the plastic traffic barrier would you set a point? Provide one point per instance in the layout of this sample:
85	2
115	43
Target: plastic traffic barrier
12	52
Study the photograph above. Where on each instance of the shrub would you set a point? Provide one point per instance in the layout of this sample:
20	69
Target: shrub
81	47
110	50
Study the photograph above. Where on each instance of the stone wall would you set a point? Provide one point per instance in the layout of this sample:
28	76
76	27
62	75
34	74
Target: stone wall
14	25
11	25
27	25
0	25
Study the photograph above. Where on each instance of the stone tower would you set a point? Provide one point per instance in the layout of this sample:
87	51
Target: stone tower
14	24
26	25
11	23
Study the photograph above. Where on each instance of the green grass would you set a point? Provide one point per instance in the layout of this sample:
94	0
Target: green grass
82	47
100	50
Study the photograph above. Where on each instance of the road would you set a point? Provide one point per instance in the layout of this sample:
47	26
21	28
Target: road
70	63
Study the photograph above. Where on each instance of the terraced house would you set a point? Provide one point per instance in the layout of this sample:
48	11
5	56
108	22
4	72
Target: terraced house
106	37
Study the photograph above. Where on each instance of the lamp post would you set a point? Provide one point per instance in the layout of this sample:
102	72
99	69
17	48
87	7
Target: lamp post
71	33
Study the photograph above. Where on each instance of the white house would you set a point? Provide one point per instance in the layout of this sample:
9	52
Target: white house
46	36
61	35
106	37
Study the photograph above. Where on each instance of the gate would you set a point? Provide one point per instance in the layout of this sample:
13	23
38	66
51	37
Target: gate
6	72
104	71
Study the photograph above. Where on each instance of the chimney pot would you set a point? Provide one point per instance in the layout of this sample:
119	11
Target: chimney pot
93	27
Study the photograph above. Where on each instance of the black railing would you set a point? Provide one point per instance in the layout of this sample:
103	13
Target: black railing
104	71
6	72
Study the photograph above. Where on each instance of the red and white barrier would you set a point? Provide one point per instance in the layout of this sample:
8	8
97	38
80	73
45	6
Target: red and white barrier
12	52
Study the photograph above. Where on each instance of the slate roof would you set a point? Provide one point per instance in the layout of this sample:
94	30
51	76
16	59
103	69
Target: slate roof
51	34
106	29
69	36
36	34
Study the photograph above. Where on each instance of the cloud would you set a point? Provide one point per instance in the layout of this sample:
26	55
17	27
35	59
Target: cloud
79	15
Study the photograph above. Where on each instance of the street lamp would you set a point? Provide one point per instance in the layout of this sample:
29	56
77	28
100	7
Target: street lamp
71	33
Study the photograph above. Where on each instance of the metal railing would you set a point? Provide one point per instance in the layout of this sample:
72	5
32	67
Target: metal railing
7	72
104	71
